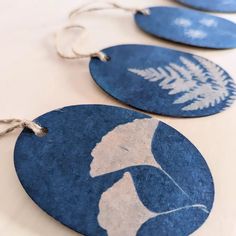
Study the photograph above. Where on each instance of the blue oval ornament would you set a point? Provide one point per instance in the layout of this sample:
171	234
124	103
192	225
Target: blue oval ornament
189	27
216	6
103	170
164	81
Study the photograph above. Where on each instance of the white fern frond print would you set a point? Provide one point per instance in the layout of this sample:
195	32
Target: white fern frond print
200	84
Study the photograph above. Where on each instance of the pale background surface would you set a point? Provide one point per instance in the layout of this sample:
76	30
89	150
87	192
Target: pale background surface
33	80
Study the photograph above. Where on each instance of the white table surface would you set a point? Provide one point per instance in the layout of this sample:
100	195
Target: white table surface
34	80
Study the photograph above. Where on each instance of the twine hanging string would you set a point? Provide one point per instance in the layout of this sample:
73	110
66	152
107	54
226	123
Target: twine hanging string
75	54
90	7
107	6
17	123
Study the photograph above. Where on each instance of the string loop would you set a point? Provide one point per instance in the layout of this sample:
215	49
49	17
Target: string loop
109	6
75	54
17	123
90	7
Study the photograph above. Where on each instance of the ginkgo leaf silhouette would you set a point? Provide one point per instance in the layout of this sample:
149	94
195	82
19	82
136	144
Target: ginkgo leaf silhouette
199	85
121	201
131	146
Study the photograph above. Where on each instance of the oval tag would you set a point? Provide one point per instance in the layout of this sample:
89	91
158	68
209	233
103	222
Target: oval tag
217	6
103	170
164	81
189	27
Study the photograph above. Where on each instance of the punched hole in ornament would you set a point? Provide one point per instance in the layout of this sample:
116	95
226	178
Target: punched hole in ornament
32	126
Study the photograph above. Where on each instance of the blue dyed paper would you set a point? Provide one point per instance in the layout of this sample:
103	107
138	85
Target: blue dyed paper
209	5
164	81
100	167
188	27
